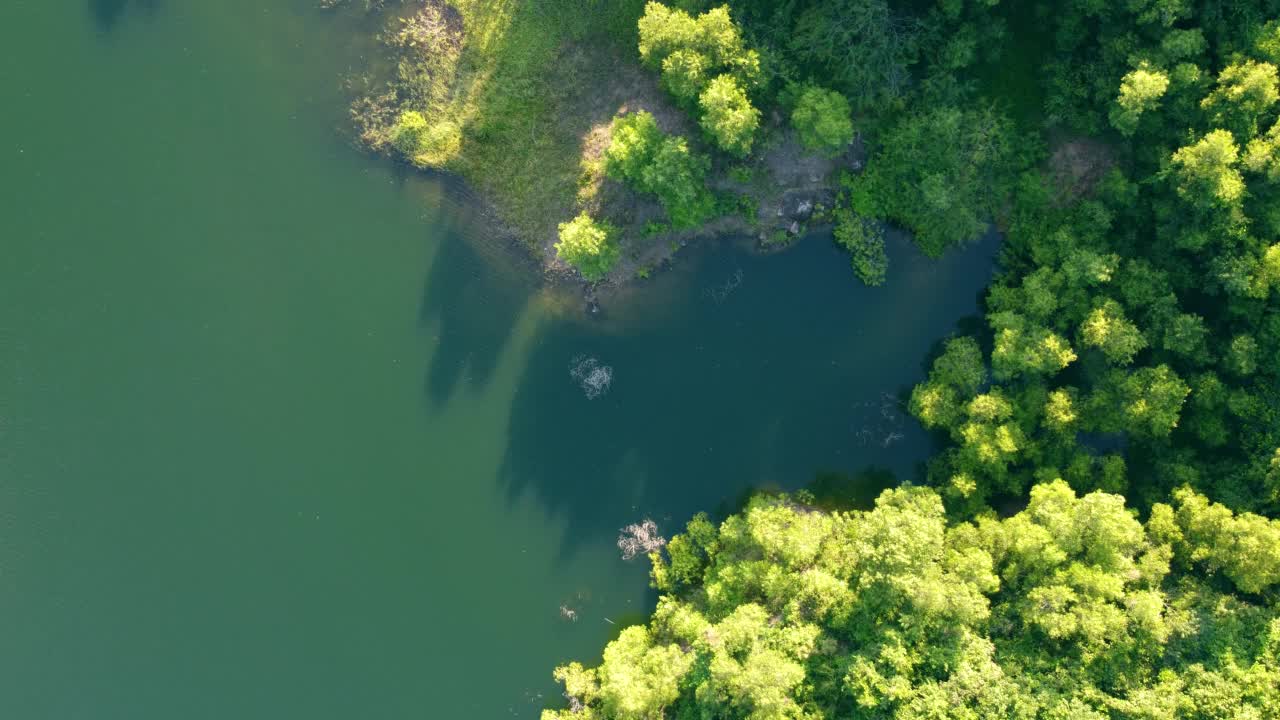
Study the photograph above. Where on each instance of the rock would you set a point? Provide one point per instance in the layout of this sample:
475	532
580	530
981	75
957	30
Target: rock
804	210
794	229
813	178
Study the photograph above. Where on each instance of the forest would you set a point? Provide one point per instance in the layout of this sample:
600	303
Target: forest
1097	535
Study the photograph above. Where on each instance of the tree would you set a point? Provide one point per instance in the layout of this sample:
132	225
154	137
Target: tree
1025	348
1244	547
634	140
694	54
678	178
1245	91
822	120
684	75
1206	171
1140	91
942	173
960	365
862	45
587	246
1146	402
728	116
1107	329
652	162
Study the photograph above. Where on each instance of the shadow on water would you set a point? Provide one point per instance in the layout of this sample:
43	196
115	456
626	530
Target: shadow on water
108	13
798	369
469	312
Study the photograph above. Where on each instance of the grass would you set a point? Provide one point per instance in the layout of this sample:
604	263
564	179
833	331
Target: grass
517	92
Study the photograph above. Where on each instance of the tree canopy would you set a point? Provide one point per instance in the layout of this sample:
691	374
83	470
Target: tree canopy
1071	608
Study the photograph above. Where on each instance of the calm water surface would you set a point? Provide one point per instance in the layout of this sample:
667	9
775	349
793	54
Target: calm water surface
284	433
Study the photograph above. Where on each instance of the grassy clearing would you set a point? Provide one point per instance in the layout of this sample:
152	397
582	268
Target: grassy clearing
520	87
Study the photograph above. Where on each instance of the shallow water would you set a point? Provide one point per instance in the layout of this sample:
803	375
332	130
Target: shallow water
287	433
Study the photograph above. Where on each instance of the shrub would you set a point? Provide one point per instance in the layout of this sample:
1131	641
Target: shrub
634	139
425	144
678	177
640	155
588	246
407	132
864	239
822	120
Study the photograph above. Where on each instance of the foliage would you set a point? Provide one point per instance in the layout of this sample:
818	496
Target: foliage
728	115
705	63
944	172
587	246
862	236
652	162
424	144
822	119
862	46
1071	608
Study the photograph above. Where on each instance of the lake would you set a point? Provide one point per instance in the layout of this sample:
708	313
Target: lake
286	431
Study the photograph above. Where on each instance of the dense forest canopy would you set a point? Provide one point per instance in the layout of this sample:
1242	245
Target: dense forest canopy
1124	388
1070	609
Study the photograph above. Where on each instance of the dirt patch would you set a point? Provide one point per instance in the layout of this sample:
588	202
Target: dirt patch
1076	166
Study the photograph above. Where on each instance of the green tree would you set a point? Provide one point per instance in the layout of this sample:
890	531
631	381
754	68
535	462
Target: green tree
1206	171
678	177
1140	91
651	162
684	75
1023	347
1107	329
1245	92
1245	547
942	173
863	46
634	140
1146	402
728	115
588	246
823	120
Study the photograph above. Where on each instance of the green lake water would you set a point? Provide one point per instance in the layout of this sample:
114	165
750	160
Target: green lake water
286	433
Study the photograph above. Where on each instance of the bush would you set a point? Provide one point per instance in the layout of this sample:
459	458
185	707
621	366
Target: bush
640	155
424	144
678	177
864	239
728	116
588	246
634	138
822	119
407	132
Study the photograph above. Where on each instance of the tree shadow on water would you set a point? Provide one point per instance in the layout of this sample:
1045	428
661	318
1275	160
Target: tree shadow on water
108	13
471	300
